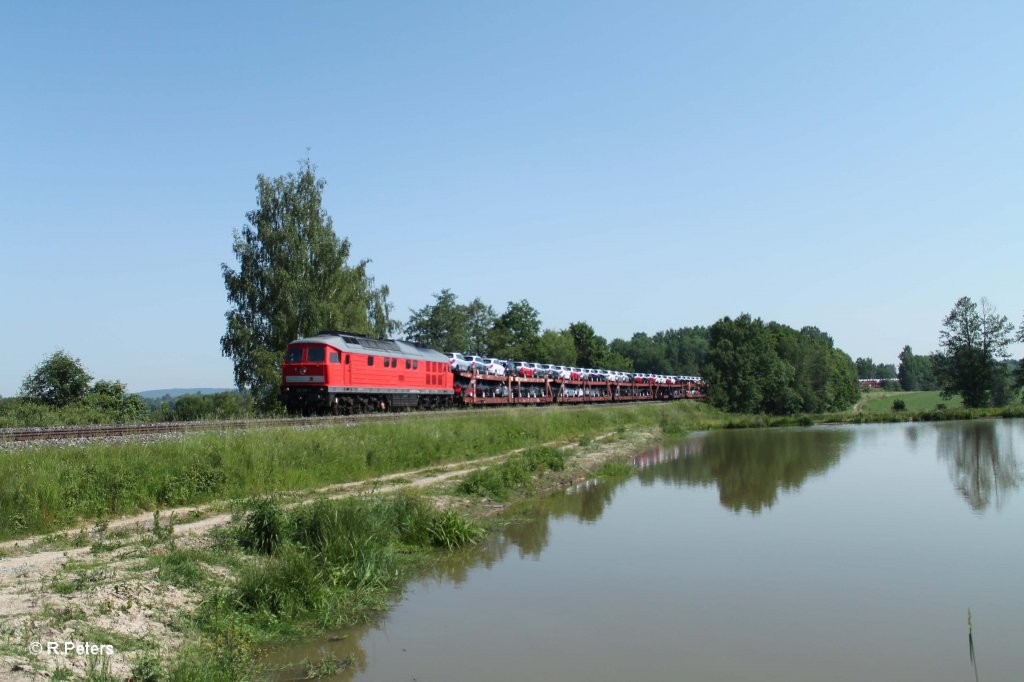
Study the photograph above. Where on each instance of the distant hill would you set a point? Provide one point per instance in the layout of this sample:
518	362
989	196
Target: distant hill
175	392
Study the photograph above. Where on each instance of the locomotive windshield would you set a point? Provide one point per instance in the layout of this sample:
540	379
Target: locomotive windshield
294	354
315	354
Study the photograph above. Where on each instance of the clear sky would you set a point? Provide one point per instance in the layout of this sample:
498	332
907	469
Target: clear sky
857	166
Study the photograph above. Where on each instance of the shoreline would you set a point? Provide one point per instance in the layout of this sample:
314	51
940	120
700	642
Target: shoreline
139	583
111	592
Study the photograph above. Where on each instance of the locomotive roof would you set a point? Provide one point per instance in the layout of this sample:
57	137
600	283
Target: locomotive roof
354	343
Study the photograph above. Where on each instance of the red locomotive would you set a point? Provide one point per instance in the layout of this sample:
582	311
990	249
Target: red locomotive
344	373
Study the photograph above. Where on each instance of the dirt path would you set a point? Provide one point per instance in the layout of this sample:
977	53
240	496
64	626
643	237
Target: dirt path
108	593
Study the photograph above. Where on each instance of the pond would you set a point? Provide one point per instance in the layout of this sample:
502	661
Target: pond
821	553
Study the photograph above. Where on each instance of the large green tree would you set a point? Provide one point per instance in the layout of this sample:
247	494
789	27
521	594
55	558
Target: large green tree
973	344
443	325
293	279
58	380
868	369
449	326
773	368
916	372
673	351
557	347
1019	371
516	333
480	324
591	349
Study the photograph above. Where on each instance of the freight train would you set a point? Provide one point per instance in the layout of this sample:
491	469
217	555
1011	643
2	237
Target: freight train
337	372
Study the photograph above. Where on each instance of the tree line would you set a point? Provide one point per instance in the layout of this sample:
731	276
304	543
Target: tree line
771	368
293	278
475	328
973	359
60	391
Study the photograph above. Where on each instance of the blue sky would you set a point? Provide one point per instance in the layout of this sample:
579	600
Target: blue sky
638	165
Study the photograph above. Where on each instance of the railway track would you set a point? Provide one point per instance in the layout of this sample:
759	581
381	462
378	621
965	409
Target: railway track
117	430
100	431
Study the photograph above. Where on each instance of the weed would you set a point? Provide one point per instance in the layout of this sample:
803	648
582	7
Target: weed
450	530
614	469
515	473
146	668
180	567
162	533
263	529
325	667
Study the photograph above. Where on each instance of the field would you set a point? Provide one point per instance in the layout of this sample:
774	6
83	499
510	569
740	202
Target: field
916	401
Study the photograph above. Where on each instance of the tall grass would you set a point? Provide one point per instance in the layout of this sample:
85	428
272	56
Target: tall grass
515	473
329	564
51	488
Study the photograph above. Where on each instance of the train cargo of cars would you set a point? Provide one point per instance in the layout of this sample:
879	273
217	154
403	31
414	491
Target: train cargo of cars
343	373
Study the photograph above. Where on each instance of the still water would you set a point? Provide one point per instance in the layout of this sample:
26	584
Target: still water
822	553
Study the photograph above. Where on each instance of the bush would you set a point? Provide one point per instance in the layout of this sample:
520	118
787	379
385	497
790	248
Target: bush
898	405
58	381
263	529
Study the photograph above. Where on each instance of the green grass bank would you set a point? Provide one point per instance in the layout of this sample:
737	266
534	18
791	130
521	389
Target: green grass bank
53	488
915	401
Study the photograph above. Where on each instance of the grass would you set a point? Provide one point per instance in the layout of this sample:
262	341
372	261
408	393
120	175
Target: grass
515	473
910	415
52	488
180	567
614	469
317	566
915	401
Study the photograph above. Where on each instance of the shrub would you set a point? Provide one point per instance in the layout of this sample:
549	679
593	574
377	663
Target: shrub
263	529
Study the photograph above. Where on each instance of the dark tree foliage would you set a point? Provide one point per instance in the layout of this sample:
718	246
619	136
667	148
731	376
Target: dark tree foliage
516	333
1018	371
772	368
293	280
480	322
113	398
591	350
973	345
674	351
916	372
59	380
443	325
557	347
449	326
196	407
867	369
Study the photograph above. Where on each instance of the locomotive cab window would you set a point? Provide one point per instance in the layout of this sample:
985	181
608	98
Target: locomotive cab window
294	355
315	354
336	357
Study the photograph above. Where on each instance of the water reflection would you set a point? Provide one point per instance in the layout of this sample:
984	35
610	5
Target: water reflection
859	535
748	468
981	460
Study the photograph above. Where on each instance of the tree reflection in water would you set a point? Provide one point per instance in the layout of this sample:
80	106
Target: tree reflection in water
750	469
981	460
